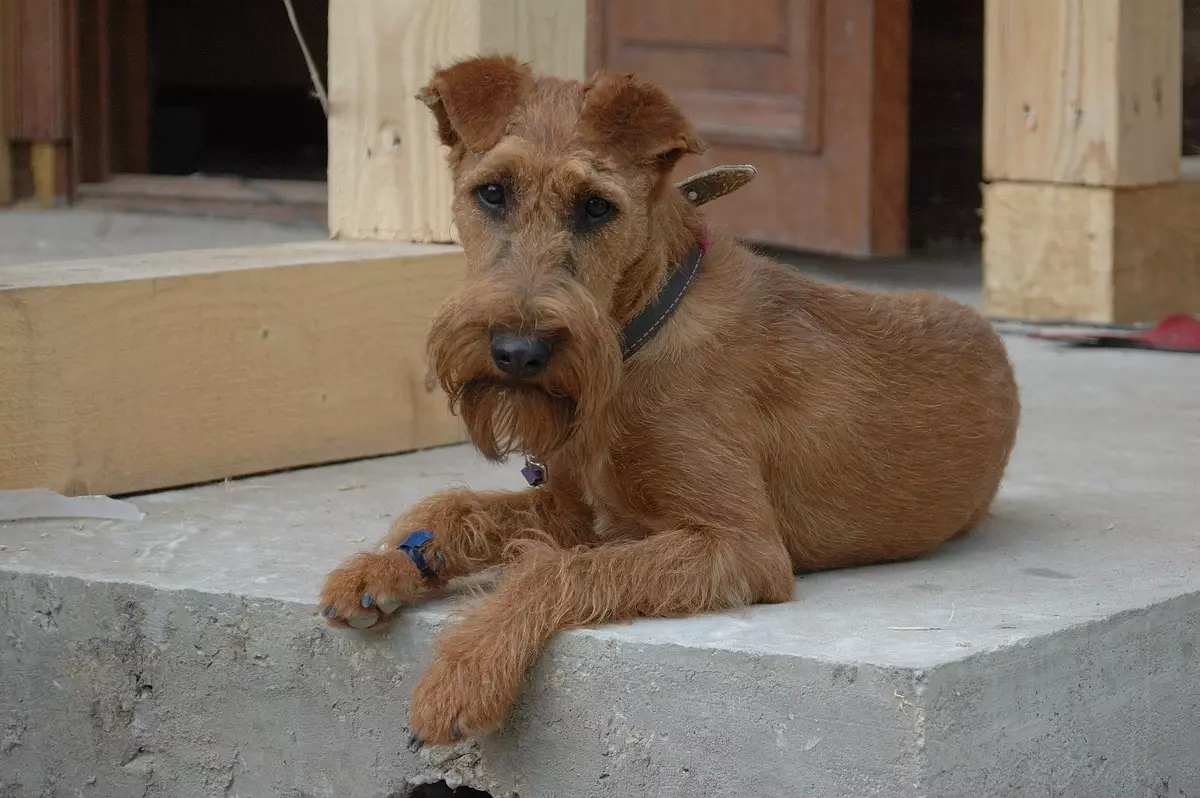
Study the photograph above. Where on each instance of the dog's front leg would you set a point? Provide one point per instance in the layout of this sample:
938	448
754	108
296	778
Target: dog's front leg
732	557
452	534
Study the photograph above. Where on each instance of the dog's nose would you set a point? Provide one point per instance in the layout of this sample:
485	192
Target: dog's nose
520	356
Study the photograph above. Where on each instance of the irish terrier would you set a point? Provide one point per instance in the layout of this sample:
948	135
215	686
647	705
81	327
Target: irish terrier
700	423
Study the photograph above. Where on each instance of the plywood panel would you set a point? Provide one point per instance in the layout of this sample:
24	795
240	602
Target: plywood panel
1083	91
1091	254
387	174
153	371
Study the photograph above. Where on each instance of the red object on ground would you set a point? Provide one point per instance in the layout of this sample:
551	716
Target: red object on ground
1176	333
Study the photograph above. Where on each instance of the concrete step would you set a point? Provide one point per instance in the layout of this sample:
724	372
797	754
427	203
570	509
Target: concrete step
1054	652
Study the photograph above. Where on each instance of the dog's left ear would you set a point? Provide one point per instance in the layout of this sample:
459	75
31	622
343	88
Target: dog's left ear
474	100
638	119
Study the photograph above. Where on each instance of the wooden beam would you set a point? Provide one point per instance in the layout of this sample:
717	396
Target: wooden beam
1089	215
1083	91
387	173
1091	254
154	371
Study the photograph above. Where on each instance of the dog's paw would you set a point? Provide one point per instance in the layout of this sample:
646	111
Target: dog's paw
458	698
365	590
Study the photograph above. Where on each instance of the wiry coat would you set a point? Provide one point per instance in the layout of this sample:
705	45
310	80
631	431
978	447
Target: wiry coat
775	424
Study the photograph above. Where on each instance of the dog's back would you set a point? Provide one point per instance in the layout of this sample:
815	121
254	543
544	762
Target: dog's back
881	422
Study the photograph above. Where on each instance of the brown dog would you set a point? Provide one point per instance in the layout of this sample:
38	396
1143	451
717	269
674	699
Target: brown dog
711	422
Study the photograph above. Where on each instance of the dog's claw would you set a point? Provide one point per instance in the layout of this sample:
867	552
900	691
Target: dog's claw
415	743
366	600
387	606
329	611
361	621
455	733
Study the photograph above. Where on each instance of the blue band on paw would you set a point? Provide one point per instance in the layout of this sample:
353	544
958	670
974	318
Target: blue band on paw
411	548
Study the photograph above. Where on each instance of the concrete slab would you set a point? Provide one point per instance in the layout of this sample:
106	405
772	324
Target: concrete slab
1054	652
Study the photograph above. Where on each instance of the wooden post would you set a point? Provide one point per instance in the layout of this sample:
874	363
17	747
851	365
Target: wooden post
387	172
1088	215
6	52
36	71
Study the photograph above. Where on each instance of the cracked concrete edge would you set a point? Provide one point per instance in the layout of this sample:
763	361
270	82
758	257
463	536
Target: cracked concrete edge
110	689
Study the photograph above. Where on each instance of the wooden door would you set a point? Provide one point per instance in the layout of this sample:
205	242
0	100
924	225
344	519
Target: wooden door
814	93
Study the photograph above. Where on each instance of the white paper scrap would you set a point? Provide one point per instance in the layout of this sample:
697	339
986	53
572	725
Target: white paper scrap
23	505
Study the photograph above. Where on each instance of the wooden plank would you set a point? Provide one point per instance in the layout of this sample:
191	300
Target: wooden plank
387	174
1091	253
40	70
890	124
129	86
6	72
91	117
1083	91
153	371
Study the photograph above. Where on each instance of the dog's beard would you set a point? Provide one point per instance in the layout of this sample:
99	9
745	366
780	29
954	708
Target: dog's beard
505	416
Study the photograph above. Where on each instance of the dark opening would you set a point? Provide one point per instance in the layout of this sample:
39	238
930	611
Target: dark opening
945	124
439	789
230	93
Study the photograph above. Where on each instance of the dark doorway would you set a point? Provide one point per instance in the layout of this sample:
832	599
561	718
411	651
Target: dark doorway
230	93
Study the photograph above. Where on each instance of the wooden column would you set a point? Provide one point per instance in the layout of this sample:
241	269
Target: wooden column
1088	212
36	69
387	173
6	51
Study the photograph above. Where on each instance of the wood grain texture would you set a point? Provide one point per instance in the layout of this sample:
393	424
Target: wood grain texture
1083	91
47	160
745	73
387	174
844	190
154	371
39	69
128	86
1091	253
6	71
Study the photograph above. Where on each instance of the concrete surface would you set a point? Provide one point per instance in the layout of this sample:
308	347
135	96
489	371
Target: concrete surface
1051	653
30	236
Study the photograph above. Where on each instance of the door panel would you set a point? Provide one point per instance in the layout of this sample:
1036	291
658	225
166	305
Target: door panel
745	76
812	92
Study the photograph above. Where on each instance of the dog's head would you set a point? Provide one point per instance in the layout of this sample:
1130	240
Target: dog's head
565	209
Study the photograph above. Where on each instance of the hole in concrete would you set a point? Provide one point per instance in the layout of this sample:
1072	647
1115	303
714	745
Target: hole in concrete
439	789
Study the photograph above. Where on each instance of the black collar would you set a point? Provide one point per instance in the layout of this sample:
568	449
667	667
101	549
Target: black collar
699	189
641	328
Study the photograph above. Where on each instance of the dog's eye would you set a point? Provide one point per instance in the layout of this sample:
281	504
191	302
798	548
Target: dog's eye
597	208
491	195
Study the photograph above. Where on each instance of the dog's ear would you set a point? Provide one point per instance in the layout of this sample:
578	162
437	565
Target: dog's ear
638	119
474	100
